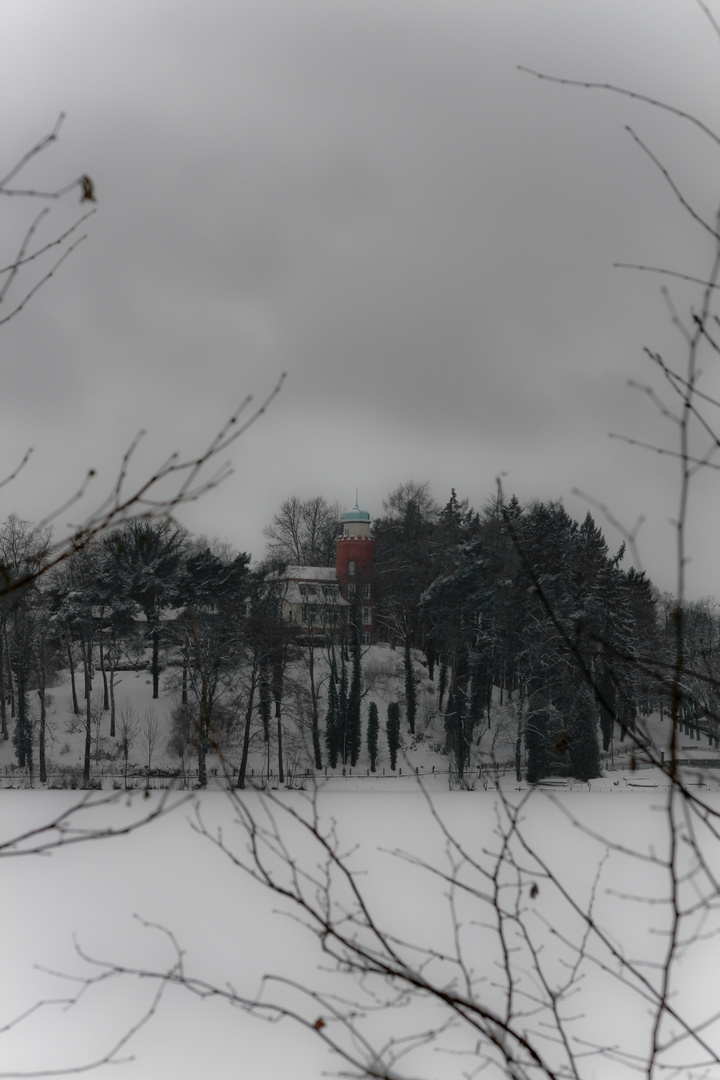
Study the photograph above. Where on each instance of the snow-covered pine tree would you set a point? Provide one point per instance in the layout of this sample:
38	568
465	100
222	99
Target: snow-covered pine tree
149	554
373	730
342	712
354	723
583	748
410	690
393	732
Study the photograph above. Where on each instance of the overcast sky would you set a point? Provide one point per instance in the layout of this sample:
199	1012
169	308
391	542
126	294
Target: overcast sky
368	195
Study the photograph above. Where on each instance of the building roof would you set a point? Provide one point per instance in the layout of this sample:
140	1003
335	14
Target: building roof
305	573
356	515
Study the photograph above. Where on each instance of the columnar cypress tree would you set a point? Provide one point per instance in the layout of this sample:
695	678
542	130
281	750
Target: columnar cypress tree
372	734
332	723
354	726
342	709
393	732
442	683
410	694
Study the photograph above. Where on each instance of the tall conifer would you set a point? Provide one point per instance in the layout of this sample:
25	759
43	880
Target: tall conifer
372	734
354	725
393	732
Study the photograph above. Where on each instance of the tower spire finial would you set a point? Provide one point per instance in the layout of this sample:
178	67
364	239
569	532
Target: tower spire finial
356	499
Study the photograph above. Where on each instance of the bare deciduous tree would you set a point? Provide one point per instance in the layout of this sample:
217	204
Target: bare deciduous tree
127	729
150	735
303	532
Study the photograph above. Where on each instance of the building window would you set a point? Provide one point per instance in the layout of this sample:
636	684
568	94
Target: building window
366	615
366	592
351	589
351	566
366	638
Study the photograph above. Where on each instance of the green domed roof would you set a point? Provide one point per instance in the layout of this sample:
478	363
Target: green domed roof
356	515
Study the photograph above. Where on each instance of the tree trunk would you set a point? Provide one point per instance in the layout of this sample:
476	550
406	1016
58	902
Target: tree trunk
278	717
106	700
430	657
71	663
112	702
277	691
156	662
248	720
442	684
88	711
202	748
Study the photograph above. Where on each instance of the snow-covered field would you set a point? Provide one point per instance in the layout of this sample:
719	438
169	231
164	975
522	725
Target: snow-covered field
230	928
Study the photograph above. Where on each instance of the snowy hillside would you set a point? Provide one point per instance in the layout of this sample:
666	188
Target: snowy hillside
153	758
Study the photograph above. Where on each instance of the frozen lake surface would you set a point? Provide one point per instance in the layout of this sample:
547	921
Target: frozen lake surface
231	930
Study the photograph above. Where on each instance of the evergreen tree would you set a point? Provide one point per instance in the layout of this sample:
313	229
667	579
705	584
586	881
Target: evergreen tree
404	561
264	695
458	725
393	732
211	634
149	555
410	691
23	619
442	683
332	723
583	749
354	724
23	734
342	710
372	734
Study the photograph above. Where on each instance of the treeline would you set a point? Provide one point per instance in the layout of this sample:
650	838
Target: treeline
141	595
519	602
530	601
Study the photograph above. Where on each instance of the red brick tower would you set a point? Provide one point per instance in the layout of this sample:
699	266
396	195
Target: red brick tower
354	565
